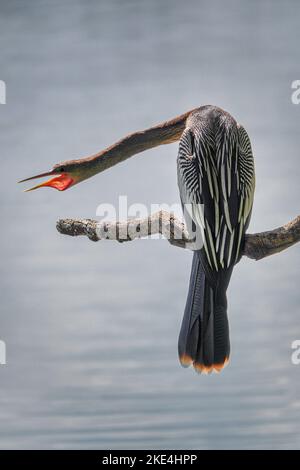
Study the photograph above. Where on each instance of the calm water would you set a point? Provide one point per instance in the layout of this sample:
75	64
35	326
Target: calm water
91	329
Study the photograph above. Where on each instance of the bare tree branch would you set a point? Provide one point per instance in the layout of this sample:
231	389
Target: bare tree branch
256	246
161	222
260	245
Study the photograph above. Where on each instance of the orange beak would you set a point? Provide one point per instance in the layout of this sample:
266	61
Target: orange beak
60	182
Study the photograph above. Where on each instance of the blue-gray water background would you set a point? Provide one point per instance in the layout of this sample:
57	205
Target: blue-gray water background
91	329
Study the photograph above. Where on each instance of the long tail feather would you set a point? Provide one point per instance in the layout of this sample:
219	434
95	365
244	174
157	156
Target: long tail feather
204	335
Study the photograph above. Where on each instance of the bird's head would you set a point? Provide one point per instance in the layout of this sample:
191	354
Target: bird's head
63	175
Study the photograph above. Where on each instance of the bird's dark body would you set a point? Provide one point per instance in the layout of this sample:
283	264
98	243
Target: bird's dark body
216	181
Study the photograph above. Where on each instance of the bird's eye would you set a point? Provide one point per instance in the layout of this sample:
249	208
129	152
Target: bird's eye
62	169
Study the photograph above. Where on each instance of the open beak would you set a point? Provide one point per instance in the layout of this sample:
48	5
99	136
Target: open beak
60	182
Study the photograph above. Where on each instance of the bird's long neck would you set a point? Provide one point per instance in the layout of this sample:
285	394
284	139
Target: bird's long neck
163	133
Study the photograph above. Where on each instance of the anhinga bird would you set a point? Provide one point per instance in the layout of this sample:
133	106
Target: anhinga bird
216	180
